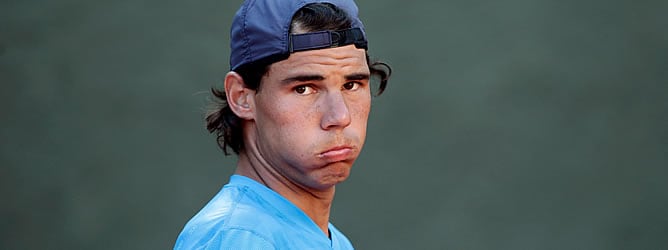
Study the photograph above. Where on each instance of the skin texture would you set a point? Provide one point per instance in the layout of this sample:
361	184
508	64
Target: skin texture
305	126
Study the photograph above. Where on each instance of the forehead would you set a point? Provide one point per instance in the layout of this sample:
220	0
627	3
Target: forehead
344	59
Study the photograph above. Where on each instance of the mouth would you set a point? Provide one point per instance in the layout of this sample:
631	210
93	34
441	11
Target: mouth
336	154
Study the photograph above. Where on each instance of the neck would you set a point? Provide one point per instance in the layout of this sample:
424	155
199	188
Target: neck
315	203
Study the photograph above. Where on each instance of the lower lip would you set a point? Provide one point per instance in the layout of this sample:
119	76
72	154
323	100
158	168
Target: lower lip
337	155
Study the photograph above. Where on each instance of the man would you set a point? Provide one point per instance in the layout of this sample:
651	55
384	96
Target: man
295	110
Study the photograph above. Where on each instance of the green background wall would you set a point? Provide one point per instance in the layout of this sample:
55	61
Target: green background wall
507	125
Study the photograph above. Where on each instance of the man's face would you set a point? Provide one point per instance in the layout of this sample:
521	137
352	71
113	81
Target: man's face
311	114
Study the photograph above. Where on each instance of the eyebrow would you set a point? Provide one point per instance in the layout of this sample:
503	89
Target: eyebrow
303	78
308	78
357	77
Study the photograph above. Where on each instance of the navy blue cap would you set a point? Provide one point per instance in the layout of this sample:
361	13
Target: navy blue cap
261	31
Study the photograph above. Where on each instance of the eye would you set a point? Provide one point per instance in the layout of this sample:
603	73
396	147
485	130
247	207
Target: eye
304	90
351	85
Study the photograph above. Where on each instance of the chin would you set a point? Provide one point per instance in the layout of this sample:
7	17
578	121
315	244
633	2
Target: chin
333	174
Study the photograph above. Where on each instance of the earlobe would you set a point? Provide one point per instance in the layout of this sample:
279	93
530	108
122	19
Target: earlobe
239	98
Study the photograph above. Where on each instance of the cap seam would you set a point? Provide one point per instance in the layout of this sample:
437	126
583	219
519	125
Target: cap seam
247	47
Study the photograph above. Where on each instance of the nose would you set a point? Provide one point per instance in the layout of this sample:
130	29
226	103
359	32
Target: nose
335	113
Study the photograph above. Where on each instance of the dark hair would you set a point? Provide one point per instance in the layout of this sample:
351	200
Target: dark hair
313	17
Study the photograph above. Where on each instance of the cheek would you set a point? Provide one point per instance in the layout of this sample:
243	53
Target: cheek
360	115
361	107
285	123
289	115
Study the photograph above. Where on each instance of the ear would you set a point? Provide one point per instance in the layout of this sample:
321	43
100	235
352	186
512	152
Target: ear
239	98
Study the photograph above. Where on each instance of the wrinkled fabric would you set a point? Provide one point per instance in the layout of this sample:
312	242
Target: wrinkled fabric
247	215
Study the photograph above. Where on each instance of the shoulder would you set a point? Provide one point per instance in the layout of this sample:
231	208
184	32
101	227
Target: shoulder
229	238
234	219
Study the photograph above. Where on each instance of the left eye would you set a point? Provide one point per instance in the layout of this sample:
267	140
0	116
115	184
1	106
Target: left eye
351	85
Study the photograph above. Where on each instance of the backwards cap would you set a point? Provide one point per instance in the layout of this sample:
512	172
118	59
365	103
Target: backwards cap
261	31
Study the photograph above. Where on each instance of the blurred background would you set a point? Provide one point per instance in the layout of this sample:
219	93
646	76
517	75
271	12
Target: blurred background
507	124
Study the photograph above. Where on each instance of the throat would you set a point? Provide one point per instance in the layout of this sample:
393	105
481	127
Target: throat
315	203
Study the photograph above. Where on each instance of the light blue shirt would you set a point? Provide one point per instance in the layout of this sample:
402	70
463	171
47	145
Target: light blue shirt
247	215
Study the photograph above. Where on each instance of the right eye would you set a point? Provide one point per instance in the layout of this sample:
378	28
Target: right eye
304	90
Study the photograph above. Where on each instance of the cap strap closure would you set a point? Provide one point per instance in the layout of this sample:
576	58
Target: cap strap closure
327	39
